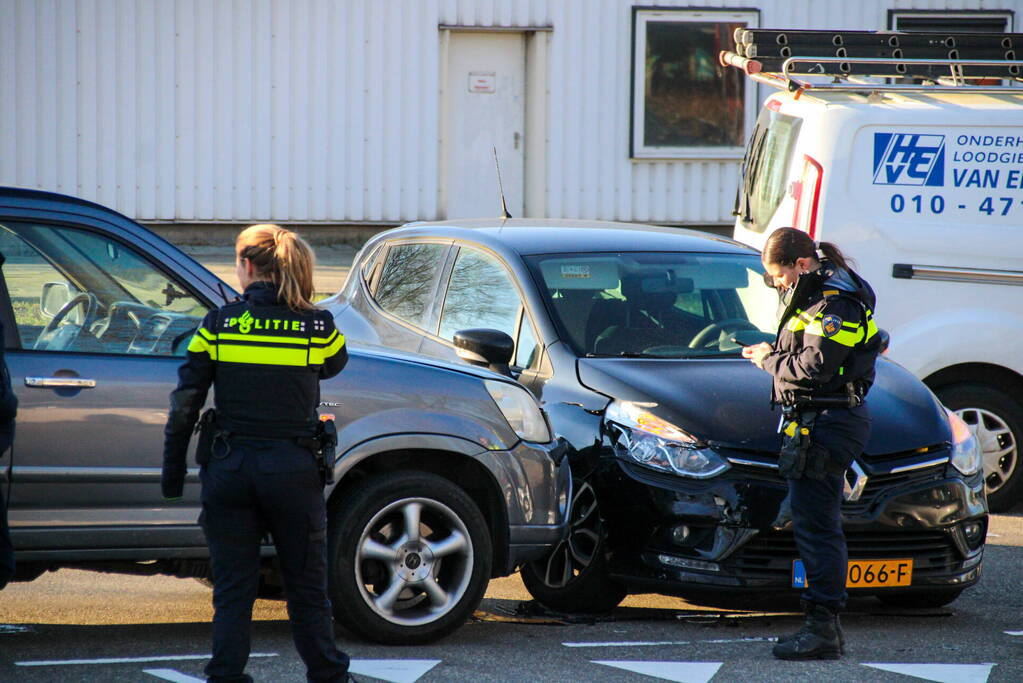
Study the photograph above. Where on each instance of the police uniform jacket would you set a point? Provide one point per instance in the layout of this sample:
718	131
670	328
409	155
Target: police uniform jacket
827	337
266	362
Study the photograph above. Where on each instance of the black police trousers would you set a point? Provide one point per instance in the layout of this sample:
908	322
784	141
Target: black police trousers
249	487
839	434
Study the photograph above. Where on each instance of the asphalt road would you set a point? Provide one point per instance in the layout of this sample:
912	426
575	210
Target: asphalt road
57	627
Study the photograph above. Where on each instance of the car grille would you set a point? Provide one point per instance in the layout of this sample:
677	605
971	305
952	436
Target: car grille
769	555
877	484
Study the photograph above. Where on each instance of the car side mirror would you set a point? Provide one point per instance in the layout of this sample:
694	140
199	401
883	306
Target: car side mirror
488	348
53	298
885	340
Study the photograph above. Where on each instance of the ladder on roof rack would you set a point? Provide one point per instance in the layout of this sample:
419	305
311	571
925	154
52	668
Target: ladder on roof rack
944	61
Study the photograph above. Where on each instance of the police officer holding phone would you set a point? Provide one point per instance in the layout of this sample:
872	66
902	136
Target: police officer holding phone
264	356
823	365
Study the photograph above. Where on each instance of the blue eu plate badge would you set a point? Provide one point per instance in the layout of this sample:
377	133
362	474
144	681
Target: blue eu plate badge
799	575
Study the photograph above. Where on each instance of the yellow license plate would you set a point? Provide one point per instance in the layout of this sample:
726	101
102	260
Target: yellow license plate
865	574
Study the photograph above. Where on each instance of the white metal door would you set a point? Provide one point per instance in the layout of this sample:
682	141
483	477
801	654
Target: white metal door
484	108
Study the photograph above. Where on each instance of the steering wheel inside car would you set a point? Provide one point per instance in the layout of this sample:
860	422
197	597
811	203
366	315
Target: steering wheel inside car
705	336
57	337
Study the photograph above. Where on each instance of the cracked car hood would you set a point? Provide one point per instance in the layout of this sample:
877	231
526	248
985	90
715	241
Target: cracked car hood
727	401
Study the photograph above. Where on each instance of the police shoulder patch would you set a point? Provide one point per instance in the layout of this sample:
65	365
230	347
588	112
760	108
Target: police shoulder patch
831	324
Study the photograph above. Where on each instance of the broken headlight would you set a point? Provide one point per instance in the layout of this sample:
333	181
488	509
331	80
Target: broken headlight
644	438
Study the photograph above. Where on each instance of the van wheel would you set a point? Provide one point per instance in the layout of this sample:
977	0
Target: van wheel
409	558
932	598
573	578
996	419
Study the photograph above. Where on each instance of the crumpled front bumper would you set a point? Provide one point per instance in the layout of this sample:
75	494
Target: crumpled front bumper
685	536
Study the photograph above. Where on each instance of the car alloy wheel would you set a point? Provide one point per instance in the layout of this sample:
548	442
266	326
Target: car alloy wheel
574	576
414	560
575	554
409	557
998	448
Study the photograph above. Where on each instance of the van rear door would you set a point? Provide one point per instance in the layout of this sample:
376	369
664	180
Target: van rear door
765	174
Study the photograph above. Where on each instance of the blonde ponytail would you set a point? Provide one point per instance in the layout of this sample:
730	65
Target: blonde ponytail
283	258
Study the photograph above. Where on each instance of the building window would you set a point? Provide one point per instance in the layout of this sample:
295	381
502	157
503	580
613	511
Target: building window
684	103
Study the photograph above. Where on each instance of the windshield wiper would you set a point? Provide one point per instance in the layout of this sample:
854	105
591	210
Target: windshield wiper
628	354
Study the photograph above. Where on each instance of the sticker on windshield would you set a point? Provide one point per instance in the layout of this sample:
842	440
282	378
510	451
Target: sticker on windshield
575	272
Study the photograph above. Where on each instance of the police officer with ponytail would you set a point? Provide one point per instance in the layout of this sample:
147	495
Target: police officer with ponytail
264	357
823	365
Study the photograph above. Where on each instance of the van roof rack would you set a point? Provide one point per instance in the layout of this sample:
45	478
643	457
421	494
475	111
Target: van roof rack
951	62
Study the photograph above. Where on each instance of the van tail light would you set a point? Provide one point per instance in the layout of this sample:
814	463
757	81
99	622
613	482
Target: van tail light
807	193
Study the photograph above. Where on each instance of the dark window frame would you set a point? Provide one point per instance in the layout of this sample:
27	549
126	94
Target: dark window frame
960	14
641	15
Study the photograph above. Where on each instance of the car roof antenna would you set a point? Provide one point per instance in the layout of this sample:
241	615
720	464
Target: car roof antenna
500	186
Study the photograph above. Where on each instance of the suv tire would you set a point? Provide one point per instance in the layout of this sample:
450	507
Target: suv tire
1000	418
409	558
573	578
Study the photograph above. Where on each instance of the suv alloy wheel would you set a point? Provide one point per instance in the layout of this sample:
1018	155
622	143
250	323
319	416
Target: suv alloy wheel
409	558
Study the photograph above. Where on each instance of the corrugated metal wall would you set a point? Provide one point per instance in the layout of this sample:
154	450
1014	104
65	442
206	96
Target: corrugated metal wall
327	110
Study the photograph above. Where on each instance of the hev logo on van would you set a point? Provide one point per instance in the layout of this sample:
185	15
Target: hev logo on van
909	159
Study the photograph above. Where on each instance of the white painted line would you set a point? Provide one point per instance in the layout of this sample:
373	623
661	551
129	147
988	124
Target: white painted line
1014	633
11	628
393	670
941	673
172	675
680	672
126	660
629	643
648	643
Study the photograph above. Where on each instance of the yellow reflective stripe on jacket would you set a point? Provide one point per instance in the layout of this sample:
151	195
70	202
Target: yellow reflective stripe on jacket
263	355
230	336
204	342
266	349
318	355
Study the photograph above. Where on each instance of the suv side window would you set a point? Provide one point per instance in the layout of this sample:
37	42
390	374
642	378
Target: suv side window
475	278
406	285
73	290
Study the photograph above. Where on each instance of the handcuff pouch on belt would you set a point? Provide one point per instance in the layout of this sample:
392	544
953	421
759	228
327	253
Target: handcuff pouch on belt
206	428
796	431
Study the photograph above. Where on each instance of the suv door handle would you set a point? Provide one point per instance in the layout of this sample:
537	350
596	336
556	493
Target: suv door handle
60	382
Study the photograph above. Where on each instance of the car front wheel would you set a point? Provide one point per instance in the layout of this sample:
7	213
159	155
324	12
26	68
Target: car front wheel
409	558
996	420
573	578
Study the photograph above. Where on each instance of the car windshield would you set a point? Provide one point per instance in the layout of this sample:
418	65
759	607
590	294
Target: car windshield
657	305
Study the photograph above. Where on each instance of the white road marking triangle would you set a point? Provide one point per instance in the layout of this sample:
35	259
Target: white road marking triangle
393	670
942	673
680	672
172	675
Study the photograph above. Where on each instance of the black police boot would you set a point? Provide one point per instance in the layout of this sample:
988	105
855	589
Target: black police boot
807	607
820	638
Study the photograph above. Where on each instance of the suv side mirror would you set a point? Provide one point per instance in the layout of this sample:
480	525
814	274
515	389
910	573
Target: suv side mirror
54	297
885	340
488	348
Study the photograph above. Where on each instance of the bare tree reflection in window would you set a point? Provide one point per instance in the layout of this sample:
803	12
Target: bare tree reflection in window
407	281
480	295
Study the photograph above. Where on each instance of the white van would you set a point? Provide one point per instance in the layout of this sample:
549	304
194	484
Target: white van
923	187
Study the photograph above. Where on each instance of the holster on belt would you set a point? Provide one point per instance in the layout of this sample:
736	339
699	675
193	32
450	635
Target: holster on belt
323	446
797	427
206	428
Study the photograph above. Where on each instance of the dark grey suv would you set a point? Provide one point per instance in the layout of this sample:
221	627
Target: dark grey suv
447	474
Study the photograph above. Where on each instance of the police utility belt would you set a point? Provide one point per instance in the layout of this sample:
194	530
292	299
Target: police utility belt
323	445
798	457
